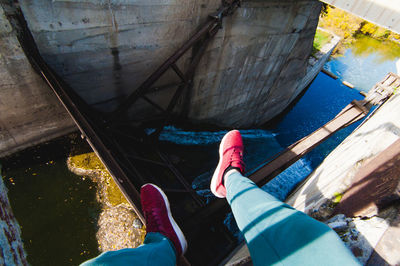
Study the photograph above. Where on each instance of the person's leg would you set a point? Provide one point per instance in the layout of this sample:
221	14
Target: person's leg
278	234
275	232
164	241
156	250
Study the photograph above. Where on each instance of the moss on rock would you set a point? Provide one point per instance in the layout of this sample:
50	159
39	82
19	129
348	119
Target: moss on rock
89	164
119	226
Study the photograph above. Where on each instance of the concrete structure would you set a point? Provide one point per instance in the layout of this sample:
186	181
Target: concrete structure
385	13
251	71
103	51
29	111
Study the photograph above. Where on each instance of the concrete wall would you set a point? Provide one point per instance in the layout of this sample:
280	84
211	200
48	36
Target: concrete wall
371	227
105	49
253	68
29	111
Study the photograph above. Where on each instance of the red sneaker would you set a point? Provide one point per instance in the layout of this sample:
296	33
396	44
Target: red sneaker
155	206
230	157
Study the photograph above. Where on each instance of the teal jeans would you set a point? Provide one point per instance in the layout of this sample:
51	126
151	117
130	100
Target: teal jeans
275	233
156	250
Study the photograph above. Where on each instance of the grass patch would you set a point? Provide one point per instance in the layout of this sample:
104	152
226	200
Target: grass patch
320	39
337	198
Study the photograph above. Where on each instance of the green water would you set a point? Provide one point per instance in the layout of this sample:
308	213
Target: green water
56	209
364	46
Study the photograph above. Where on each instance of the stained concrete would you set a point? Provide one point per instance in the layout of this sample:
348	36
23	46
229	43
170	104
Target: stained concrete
256	63
29	111
251	71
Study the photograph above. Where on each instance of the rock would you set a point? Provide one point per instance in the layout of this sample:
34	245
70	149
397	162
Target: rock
338	226
11	245
137	223
119	226
117	229
336	218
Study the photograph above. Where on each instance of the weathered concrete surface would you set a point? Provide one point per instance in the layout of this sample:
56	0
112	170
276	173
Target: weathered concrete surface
359	235
376	185
248	75
11	247
253	69
29	111
387	250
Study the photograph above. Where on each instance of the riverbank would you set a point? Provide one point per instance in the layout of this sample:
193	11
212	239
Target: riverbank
351	28
118	225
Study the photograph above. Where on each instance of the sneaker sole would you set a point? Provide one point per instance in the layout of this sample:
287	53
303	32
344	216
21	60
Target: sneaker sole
214	179
177	230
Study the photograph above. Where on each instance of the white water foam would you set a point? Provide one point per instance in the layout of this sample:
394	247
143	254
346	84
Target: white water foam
181	137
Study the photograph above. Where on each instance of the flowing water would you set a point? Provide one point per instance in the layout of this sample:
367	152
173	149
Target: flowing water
58	211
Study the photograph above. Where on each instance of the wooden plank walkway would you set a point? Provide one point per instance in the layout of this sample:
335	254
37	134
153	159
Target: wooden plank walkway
353	112
350	114
383	89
